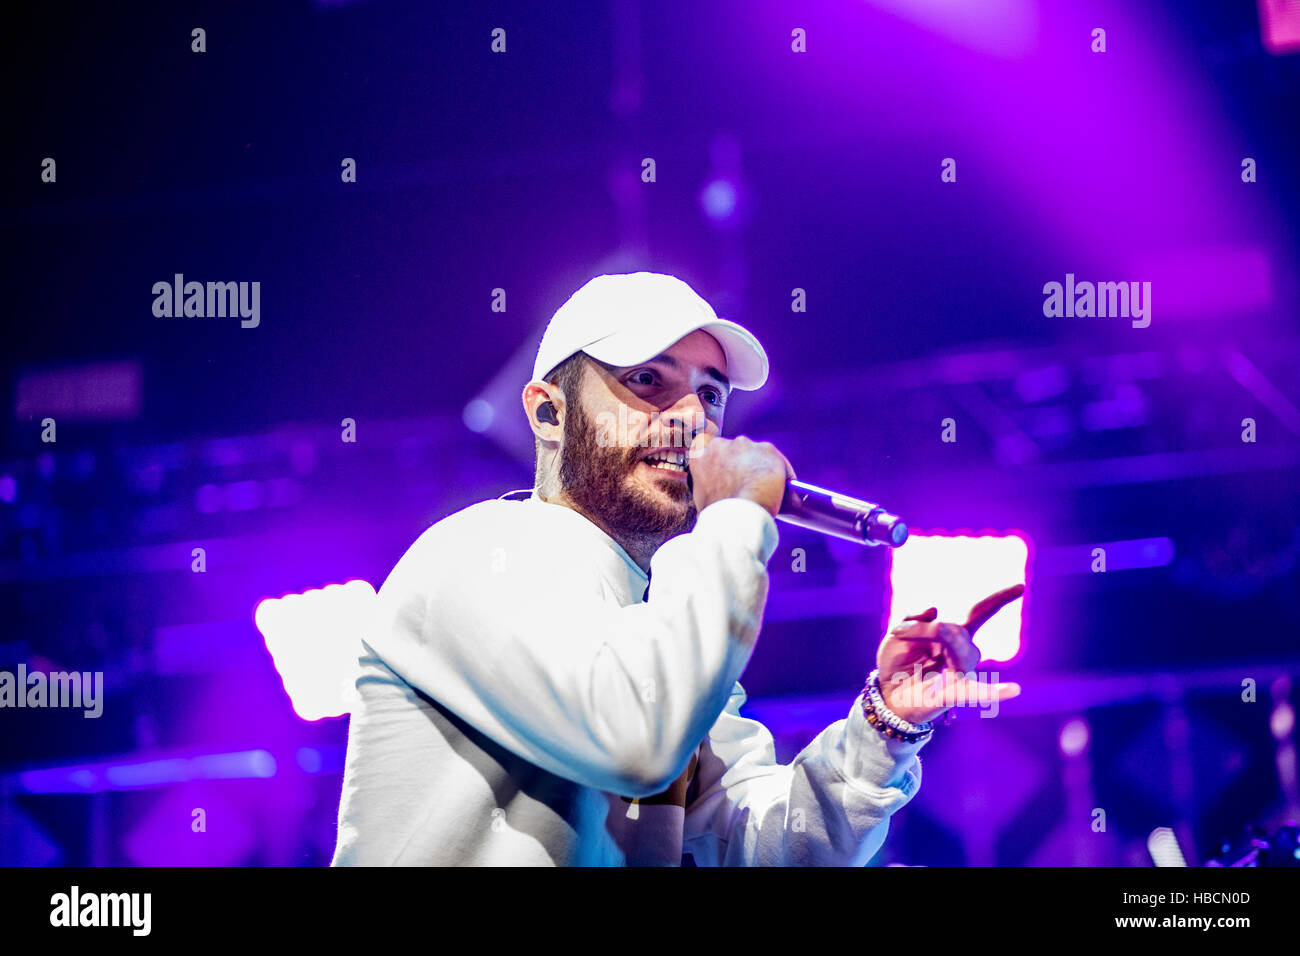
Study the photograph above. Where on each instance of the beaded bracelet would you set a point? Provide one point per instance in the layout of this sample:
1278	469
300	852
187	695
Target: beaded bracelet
886	721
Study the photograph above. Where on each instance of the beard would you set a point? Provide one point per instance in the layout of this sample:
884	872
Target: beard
601	481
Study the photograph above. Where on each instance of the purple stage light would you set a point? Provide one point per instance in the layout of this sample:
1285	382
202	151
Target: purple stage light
314	639
144	774
1279	26
309	760
1006	28
718	199
1163	846
953	572
478	415
1075	736
1127	555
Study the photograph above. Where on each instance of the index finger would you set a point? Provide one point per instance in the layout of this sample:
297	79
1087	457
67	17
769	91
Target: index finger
986	608
789	468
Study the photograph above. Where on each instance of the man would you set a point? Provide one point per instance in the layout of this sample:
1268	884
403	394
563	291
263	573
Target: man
552	676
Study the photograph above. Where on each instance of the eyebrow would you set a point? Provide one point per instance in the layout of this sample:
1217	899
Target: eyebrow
710	370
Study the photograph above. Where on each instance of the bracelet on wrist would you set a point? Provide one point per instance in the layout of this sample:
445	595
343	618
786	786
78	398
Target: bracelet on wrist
889	724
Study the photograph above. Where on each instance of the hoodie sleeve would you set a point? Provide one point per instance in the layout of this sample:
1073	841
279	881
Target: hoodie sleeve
830	806
500	627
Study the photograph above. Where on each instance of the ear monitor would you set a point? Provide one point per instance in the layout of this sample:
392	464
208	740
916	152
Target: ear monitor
546	413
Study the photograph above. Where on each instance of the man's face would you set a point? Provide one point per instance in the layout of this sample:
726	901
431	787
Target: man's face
625	415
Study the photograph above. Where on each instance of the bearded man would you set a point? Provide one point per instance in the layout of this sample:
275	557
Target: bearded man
552	677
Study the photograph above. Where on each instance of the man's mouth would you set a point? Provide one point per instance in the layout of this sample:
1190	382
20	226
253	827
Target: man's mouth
669	461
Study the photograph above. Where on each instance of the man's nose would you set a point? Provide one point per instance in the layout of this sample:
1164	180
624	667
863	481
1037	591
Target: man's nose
688	419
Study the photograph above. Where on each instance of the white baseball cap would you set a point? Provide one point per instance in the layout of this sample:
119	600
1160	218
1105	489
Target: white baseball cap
632	317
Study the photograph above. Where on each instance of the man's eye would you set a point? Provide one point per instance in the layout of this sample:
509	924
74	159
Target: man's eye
715	395
643	377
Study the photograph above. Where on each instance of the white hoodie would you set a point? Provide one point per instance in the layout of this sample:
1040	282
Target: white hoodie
515	689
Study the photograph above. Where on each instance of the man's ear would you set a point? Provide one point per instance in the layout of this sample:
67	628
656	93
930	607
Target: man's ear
537	394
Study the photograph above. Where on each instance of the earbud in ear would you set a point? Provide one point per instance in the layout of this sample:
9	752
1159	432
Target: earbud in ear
546	413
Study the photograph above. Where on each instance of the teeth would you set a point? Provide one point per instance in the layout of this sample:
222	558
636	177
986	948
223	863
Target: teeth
675	458
667	461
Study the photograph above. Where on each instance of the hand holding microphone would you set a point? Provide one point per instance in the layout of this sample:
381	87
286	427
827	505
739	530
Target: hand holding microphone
740	468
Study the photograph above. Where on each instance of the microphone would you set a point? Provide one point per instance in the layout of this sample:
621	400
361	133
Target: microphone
840	515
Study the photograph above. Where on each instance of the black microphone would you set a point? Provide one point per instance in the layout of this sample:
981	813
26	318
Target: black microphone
840	515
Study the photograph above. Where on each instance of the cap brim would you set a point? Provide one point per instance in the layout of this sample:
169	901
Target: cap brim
746	361
747	365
